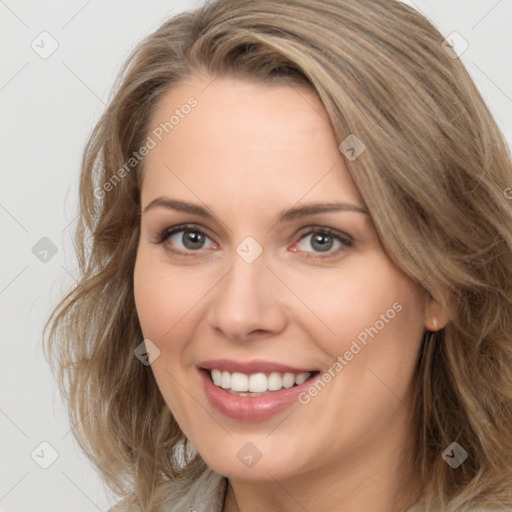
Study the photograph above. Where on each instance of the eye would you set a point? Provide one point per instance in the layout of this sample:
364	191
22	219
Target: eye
324	240
183	239
189	239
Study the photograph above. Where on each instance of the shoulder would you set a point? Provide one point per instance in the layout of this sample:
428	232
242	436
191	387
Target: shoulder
205	495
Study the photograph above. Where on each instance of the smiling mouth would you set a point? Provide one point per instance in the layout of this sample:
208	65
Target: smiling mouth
256	384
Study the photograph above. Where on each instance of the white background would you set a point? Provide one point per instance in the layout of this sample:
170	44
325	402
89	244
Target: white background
48	108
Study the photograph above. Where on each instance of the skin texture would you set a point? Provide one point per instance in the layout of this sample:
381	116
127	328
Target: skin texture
246	152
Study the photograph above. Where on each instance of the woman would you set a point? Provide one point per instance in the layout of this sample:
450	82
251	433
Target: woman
296	253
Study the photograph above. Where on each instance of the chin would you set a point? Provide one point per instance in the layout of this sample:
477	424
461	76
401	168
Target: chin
254	458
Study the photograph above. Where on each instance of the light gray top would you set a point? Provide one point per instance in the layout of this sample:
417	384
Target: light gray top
205	495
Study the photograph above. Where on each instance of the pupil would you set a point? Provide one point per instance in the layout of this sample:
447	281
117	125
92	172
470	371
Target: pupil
192	240
324	243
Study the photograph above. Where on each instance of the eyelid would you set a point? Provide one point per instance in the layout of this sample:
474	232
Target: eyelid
167	232
345	239
315	228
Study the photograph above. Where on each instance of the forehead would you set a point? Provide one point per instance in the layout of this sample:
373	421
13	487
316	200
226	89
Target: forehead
243	139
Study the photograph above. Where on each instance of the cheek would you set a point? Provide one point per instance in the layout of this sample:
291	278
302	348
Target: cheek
349	301
165	303
374	301
152	302
166	297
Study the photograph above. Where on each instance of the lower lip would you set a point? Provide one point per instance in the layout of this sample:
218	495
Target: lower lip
247	408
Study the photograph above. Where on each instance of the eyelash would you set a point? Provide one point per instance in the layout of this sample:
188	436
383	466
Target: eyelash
344	239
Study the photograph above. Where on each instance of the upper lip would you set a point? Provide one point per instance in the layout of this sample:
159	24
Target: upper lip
250	367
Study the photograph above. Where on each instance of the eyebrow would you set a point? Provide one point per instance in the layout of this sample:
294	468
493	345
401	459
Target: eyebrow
285	216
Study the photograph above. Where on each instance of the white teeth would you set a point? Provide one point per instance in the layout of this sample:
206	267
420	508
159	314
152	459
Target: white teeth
256	382
217	377
301	378
239	382
274	381
226	380
288	380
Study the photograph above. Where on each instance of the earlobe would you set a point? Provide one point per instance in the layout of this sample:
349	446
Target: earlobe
435	316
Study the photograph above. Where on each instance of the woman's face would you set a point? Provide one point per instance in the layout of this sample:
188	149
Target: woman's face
258	264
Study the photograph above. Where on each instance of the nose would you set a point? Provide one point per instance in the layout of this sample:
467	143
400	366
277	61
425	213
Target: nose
248	302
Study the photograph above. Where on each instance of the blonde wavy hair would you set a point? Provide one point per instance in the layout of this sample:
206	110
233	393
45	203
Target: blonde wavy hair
434	178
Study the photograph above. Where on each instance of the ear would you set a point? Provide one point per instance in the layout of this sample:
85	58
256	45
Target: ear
435	316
